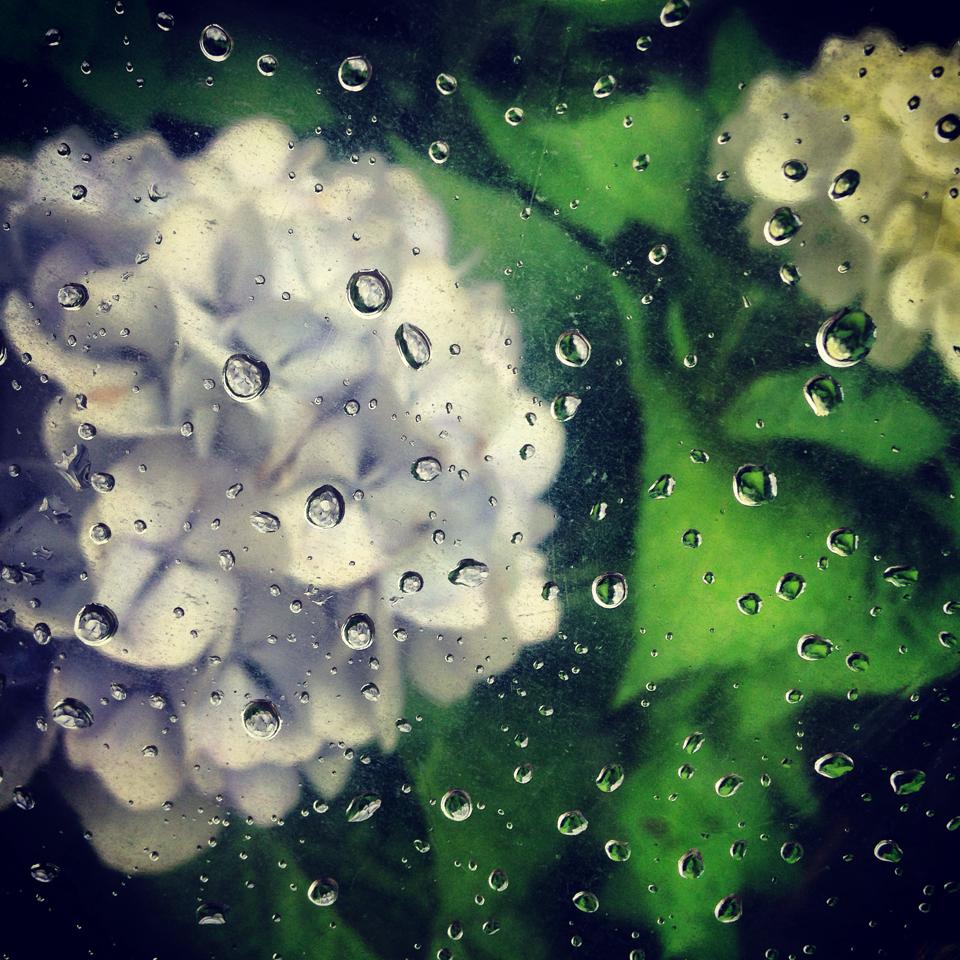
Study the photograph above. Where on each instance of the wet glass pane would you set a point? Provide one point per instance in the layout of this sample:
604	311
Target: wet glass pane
478	480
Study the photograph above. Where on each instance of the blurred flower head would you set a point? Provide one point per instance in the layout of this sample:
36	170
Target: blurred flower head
278	478
851	174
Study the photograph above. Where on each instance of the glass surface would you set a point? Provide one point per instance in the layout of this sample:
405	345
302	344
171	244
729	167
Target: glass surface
478	480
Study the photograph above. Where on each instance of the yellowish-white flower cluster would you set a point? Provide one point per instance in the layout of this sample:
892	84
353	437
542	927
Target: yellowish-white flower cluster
852	171
286	468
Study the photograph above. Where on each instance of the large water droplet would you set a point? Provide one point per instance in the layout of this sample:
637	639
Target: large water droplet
604	86
261	719
323	892
811	646
844	185
244	377
690	865
95	624
571	823
729	909
414	345
354	73
834	765
610	778
369	292
363	807
72	296
905	782
456	805
728	785
790	586
211	914
754	484
902	575
843	542
947	128
565	406
325	507
782	226
845	338
794	170
823	393
586	901
72	714
215	42
469	573
358	631
573	348
610	589
889	851
674	12
426	469
264	522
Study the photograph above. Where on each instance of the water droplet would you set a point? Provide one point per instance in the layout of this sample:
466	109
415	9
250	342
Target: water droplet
728	785
439	151
369	292
889	851
845	338
610	778
211	914
523	773
354	73
323	892
95	624
843	542
165	21
72	714
662	487
754	485
514	116
674	12
72	296
565	406
324	507
261	719
469	573
790	586
216	43
244	377
794	170
749	604
729	909
573	348
902	575
948	128
823	393
267	64
363	807
834	765
456	805
226	560
358	631
905	782
414	345
610	589
571	823
586	901
411	582
791	852
446	84
371	692
811	646
691	538
782	226
844	185
100	533
264	522
690	864
858	662
604	86
641	161
45	872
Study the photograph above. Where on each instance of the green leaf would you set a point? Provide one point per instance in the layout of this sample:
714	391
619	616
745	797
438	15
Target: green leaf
878	422
587	158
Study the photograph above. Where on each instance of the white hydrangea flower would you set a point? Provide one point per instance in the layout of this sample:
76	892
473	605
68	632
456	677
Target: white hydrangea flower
233	517
865	150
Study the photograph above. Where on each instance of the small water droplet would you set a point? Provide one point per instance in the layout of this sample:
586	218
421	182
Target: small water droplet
844	185
456	805
754	485
95	624
782	226
72	296
324	507
414	345
72	714
358	631
369	292
571	823
323	892
834	765
609	589
846	337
